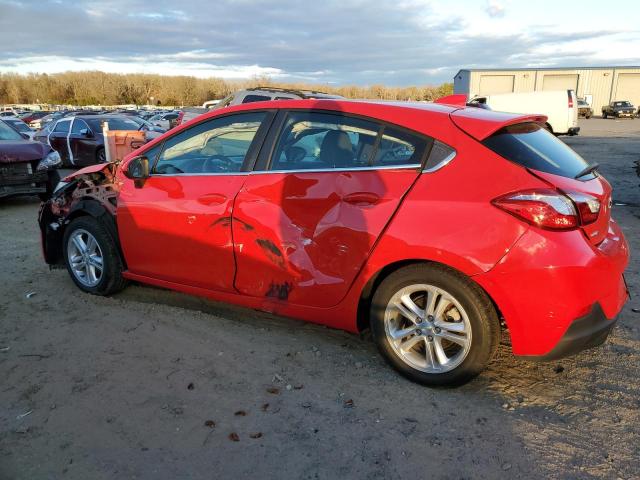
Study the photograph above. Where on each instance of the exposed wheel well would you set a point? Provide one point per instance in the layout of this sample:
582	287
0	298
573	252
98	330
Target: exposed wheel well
85	207
364	304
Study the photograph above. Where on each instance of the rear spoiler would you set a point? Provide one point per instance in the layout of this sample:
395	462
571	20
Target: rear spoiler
480	123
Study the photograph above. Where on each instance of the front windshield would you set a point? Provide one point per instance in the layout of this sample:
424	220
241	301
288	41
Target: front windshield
8	133
622	104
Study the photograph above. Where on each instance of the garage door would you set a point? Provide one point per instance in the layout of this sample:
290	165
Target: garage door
492	84
628	88
560	82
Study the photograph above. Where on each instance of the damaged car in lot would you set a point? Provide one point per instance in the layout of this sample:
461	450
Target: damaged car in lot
429	224
26	167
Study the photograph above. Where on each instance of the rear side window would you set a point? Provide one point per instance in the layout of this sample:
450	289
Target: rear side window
398	147
311	141
530	145
255	98
62	126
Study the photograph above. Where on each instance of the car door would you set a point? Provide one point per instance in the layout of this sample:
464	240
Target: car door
58	139
304	226
82	143
177	226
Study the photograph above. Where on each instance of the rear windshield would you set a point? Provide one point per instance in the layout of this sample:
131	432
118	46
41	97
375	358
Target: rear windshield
530	145
8	133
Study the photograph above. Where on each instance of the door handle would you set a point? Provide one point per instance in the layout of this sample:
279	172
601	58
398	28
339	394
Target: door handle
361	198
212	199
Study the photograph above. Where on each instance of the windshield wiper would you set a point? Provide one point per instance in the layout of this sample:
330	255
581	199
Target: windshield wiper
587	170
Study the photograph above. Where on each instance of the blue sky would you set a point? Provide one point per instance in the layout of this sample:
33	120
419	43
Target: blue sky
402	42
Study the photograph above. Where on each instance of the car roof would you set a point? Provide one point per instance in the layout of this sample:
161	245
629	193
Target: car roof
433	119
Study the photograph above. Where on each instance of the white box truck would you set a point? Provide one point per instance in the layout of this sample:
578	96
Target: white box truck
560	107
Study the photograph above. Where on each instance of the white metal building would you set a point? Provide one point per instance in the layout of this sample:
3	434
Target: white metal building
599	85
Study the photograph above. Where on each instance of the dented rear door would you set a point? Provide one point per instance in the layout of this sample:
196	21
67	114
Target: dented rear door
305	225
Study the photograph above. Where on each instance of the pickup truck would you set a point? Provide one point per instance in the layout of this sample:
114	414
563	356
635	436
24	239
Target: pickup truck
619	108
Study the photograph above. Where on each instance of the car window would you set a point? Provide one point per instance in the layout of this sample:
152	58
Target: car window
78	125
530	145
311	140
398	147
115	123
8	133
255	98
62	126
19	125
171	116
219	145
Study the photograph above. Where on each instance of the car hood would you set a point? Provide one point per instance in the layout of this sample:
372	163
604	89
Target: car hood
15	151
90	169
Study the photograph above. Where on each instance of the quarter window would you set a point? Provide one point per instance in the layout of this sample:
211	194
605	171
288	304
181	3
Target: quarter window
219	145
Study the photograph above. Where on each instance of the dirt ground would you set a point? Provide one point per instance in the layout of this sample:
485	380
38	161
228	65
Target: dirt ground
157	385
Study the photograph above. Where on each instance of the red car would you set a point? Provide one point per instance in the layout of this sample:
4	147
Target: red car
427	223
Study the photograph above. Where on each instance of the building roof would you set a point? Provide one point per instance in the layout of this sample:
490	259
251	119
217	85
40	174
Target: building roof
529	69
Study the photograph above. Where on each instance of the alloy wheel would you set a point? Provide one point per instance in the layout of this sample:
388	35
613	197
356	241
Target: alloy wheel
85	257
427	328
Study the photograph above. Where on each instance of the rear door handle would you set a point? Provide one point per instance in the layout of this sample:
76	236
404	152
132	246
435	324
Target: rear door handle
212	199
361	198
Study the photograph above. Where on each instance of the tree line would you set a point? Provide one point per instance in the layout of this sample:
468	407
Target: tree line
100	88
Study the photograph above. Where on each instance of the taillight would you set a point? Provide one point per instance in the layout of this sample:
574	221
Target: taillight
588	206
544	208
570	99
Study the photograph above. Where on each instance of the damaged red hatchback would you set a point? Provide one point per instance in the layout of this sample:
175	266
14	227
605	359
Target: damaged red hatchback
427	223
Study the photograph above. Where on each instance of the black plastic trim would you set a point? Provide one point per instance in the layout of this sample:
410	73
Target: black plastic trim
585	332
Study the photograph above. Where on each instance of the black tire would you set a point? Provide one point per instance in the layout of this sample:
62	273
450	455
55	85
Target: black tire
587	117
604	115
483	319
111	280
101	155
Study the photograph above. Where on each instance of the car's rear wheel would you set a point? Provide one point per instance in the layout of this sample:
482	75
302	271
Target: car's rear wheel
434	325
92	258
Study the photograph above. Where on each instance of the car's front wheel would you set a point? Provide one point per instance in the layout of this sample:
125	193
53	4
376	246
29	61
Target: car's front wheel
92	258
434	325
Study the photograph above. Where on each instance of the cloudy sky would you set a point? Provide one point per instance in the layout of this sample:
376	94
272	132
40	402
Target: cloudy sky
401	42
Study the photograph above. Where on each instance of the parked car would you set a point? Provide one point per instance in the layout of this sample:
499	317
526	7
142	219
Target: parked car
165	121
584	109
42	122
33	116
26	167
151	131
359	215
618	109
189	113
560	107
263	94
79	140
8	114
19	126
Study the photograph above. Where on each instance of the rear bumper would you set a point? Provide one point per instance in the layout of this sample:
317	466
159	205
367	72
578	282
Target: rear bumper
549	281
585	332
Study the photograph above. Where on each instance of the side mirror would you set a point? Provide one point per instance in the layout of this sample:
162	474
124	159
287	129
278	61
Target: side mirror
138	170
